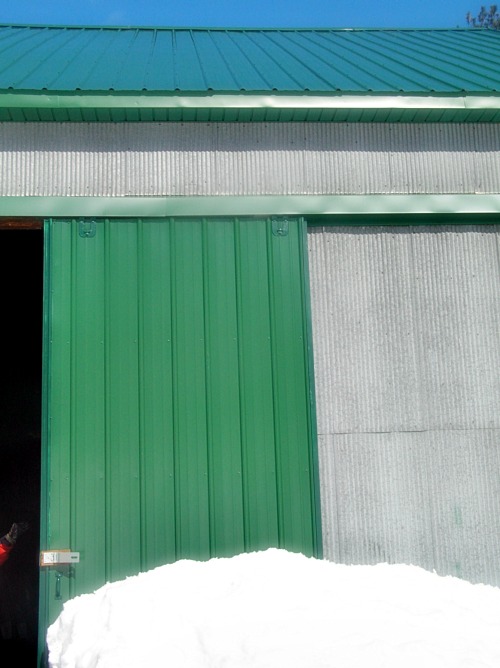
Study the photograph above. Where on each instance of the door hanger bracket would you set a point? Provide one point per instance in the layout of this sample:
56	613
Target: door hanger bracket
280	226
87	228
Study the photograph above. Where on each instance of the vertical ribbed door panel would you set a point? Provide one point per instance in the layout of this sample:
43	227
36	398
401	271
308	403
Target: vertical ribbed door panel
179	395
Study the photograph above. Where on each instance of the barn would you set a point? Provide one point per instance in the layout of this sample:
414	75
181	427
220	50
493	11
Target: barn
251	299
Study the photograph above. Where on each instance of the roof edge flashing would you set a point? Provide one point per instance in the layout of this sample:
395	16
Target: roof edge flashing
35	100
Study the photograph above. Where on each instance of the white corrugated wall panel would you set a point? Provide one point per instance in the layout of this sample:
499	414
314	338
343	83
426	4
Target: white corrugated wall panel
406	330
423	498
439	158
487	149
187	159
358	294
381	506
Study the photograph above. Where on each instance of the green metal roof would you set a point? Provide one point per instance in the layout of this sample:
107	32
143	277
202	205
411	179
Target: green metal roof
103	73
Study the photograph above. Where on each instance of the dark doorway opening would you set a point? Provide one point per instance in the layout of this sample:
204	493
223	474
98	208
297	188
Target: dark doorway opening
21	303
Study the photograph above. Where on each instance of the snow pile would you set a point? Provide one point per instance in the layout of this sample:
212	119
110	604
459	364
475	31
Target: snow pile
275	609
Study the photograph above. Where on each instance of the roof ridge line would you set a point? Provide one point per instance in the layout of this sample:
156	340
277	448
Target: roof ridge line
233	28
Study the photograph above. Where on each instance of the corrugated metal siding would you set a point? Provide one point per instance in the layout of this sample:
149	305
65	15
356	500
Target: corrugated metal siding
232	60
178	397
247	159
426	498
406	325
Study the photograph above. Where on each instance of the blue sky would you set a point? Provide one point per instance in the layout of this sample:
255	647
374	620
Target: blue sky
239	13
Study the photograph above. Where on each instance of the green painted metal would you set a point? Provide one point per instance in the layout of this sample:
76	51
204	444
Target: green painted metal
259	205
250	107
161	60
57	73
256	110
45	438
179	395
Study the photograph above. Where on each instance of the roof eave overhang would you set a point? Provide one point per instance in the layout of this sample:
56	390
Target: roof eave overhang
79	106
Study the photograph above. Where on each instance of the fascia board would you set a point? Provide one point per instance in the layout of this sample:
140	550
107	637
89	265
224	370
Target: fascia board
245	101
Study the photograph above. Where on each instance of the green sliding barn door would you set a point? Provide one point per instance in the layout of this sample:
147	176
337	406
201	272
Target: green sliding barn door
179	410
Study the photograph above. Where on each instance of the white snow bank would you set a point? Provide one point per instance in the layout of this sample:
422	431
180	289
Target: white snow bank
275	609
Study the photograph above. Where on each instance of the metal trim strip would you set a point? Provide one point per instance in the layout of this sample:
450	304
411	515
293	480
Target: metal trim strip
72	100
258	205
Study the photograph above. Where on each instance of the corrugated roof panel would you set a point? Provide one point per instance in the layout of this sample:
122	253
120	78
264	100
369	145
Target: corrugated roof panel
71	73
279	72
342	71
372	72
417	67
230	60
239	60
402	71
214	64
447	60
46	59
70	49
131	61
189	69
291	64
162	62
